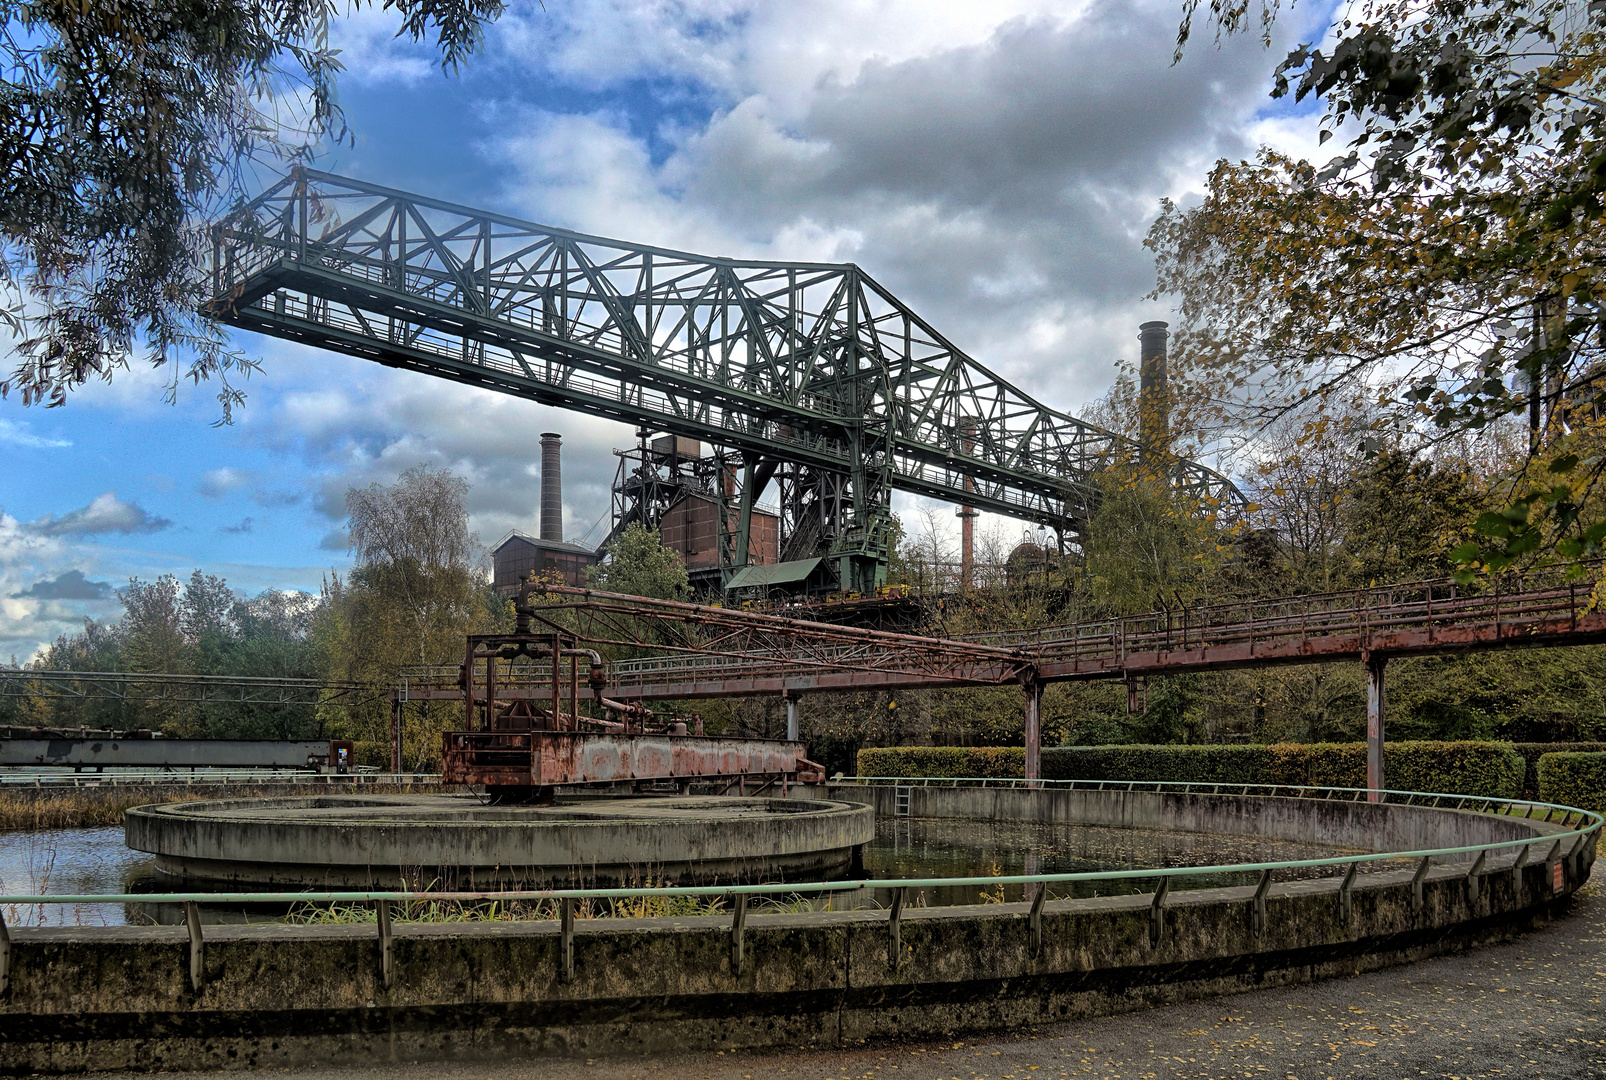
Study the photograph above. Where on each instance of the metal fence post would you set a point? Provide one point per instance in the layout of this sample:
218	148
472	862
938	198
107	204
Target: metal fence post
566	936
382	914
192	922
895	928
1257	907
1157	913
738	931
1034	921
1346	908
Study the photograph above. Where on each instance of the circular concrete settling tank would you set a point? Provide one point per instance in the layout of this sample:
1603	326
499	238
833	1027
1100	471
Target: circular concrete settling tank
454	841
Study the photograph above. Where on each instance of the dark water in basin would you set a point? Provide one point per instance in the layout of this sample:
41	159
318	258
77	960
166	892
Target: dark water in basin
931	847
96	861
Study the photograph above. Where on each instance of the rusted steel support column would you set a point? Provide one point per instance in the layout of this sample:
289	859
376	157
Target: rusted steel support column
1034	730
395	732
1374	726
791	716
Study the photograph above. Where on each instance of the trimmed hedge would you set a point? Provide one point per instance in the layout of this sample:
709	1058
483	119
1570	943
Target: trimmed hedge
1532	751
1456	768
939	761
1574	780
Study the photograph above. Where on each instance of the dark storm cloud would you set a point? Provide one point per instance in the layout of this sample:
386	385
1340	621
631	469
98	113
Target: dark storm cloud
72	585
1000	184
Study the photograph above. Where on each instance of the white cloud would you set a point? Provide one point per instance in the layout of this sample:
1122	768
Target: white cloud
106	513
219	483
17	434
371	52
994	166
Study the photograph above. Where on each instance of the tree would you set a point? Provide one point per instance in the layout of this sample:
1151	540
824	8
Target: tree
201	627
417	590
1148	546
414	549
638	564
1452	274
1403	518
124	126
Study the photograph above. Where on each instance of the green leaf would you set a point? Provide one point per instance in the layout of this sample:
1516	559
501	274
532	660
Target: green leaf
1522	545
1466	552
1492	524
1565	463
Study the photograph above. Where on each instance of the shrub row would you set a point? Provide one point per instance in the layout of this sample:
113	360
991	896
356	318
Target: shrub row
1574	780
939	761
1459	768
1532	751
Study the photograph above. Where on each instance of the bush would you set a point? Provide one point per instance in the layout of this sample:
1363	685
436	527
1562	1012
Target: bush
1574	780
1455	768
1194	764
373	753
939	761
1532	751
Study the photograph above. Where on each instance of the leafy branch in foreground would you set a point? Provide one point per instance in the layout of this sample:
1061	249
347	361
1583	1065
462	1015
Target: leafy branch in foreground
124	126
1445	270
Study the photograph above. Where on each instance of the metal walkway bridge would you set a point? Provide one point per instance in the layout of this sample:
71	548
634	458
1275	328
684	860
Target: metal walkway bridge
706	652
812	375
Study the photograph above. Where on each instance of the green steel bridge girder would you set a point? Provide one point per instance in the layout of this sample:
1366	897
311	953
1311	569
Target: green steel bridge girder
808	363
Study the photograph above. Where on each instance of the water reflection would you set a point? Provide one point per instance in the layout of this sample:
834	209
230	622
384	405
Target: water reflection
73	861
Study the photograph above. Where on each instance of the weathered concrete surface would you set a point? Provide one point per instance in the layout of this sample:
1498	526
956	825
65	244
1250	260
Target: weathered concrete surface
281	997
1336	823
1531	1007
454	841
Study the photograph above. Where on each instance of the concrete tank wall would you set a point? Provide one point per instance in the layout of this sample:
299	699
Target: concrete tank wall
276	996
271	996
1339	823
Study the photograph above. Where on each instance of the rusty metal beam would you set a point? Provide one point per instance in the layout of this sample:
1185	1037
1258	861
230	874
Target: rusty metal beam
717	652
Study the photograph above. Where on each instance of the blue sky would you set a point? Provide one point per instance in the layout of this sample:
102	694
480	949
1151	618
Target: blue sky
995	165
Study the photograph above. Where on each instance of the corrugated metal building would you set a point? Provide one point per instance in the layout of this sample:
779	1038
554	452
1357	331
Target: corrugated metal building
691	527
518	554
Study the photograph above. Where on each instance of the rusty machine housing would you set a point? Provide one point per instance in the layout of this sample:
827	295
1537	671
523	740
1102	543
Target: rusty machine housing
524	733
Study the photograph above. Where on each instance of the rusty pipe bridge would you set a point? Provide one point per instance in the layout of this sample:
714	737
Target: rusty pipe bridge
688	651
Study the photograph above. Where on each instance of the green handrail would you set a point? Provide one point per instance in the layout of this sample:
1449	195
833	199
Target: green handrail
1590	823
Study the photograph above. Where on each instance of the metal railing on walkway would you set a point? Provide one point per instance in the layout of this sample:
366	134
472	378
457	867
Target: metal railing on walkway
1561	850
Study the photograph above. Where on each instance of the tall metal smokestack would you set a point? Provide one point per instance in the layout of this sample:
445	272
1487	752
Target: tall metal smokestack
551	486
1154	397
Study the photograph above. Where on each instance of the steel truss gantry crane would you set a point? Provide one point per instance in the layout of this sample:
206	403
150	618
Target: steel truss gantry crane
812	375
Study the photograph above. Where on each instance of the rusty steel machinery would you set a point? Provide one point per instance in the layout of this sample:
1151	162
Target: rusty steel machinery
520	750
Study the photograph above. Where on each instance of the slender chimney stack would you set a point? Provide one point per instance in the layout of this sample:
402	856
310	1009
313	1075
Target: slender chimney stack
551	486
1154	398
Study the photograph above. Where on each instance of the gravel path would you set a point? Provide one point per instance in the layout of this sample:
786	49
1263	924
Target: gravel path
1532	1008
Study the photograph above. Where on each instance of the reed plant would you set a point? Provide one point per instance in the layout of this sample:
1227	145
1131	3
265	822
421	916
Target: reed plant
87	808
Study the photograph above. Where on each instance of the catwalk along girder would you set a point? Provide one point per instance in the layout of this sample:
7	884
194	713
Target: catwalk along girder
809	366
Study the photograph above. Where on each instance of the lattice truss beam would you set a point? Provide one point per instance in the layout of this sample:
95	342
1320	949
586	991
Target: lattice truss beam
810	363
750	643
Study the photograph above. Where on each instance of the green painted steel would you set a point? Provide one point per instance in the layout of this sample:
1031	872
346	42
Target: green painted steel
810	374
